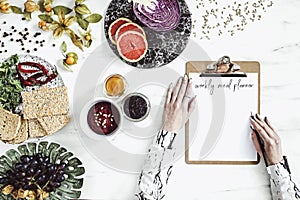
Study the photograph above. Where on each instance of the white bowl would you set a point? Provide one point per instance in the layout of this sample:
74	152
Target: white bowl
84	121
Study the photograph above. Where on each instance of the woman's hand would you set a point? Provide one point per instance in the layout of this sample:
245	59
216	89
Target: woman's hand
180	103
271	140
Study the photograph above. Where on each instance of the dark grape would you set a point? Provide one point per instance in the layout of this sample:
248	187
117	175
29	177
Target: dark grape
53	177
30	172
3	180
24	167
62	166
33	172
9	173
25	159
60	178
18	166
46	160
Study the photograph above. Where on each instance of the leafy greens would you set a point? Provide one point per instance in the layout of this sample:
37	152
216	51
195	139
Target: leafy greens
10	85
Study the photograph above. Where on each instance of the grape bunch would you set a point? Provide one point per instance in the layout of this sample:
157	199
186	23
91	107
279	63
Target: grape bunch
33	174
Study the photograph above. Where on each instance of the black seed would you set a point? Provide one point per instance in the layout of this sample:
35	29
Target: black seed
26	29
35	49
28	51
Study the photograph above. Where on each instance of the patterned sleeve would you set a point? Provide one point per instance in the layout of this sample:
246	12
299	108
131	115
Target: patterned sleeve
157	168
282	185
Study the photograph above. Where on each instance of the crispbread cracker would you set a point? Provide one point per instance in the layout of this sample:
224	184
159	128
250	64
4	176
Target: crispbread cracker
35	129
9	125
22	134
45	102
52	124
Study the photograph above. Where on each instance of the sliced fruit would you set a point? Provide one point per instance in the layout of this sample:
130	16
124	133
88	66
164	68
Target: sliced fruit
112	30
132	46
129	27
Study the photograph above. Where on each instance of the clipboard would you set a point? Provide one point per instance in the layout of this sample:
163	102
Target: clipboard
202	68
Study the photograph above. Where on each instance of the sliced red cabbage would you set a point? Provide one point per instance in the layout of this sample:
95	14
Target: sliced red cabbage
162	15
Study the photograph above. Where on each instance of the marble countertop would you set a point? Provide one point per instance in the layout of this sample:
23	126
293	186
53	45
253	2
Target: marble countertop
273	41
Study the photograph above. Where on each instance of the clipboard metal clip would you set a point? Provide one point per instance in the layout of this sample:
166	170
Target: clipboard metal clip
223	68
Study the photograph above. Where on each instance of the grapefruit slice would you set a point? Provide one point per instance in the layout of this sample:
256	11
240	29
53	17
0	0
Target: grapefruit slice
129	27
112	30
132	46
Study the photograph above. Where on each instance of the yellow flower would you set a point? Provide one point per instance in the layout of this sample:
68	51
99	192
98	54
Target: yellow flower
31	195
31	6
4	7
22	193
7	189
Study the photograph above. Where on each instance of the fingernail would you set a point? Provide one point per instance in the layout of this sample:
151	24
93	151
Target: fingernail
252	117
257	116
266	120
252	128
185	77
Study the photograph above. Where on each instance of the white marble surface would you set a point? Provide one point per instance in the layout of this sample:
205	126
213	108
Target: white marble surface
274	42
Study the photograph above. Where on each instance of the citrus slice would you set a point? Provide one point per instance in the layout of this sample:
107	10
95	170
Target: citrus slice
132	46
129	27
115	26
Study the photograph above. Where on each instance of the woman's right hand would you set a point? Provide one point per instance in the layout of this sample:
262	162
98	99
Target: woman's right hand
271	140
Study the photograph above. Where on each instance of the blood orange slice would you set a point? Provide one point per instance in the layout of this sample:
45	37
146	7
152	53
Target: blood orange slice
129	27
132	46
112	30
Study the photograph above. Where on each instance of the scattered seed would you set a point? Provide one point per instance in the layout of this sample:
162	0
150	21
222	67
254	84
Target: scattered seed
233	17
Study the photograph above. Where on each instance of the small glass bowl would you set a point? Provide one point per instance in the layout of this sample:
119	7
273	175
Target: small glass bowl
118	79
124	102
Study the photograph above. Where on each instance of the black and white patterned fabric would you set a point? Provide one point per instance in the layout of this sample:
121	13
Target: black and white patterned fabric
283	186
157	168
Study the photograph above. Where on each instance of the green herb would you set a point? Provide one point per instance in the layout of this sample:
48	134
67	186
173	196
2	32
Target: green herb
10	85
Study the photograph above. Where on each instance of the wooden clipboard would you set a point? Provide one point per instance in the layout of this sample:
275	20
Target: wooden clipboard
201	67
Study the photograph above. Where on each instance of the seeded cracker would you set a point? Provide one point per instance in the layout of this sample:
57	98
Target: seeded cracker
45	102
9	125
22	134
54	123
35	129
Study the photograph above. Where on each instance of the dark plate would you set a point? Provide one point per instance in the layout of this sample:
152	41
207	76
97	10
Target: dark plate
163	47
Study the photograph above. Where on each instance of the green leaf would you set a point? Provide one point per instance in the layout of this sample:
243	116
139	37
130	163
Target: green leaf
77	2
57	33
66	10
93	18
64	47
67	67
16	10
88	43
82	9
46	18
27	16
82	23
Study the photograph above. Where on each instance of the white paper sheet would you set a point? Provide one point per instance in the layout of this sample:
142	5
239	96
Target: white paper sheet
223	127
